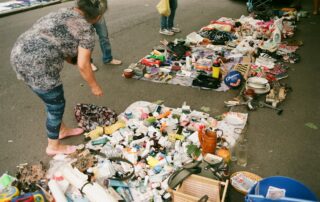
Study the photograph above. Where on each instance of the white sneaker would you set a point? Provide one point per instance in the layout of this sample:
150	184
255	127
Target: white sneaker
94	68
166	32
175	29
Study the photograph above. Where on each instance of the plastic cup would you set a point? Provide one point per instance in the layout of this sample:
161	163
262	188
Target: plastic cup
242	153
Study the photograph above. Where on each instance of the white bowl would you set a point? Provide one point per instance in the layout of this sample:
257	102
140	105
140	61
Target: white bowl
260	90
257	80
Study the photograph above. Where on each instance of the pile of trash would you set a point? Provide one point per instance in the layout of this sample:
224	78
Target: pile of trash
134	158
246	53
224	54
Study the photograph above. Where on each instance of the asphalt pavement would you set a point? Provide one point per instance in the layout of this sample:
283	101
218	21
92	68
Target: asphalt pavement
278	145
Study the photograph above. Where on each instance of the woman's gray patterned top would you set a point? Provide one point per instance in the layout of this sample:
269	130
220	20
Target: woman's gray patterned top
39	53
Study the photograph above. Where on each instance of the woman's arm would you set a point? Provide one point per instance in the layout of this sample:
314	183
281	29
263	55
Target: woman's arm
84	65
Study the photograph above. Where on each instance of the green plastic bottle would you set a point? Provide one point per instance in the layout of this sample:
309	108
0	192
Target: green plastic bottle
100	141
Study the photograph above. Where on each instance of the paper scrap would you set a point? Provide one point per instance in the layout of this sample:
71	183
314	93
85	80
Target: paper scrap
311	125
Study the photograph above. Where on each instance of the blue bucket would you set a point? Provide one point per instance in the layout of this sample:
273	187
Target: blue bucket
295	190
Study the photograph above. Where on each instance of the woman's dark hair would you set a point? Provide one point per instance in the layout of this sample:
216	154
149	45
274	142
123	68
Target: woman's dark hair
92	8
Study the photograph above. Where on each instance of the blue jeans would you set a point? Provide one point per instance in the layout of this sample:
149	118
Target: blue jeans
55	104
102	32
166	22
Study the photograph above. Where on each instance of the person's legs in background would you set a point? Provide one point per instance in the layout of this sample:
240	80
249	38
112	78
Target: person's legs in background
315	7
55	104
163	22
173	8
164	26
102	32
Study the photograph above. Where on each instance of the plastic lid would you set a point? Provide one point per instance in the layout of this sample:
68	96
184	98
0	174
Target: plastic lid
216	63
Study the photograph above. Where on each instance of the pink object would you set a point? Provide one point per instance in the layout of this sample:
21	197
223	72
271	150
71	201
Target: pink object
143	115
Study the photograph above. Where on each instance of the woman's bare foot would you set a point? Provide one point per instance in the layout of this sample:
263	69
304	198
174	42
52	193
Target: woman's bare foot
68	132
54	147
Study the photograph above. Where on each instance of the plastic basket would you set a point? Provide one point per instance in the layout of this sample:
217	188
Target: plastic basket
295	190
195	187
251	176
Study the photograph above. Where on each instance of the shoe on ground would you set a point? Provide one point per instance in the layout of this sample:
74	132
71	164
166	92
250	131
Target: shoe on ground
175	29
94	67
166	32
114	62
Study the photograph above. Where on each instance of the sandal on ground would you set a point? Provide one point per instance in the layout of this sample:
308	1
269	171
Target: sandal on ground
94	67
114	62
71	132
68	150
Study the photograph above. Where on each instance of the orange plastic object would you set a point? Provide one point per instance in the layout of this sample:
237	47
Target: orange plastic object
164	115
208	141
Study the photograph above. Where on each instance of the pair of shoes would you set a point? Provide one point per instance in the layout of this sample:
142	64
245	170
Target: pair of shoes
175	29
166	32
68	150
114	62
94	67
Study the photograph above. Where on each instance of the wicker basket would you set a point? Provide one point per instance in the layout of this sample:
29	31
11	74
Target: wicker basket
251	176
195	187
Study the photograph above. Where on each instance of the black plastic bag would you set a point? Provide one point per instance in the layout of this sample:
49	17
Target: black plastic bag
205	81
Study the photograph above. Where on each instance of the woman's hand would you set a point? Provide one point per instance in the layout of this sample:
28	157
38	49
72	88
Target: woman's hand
96	90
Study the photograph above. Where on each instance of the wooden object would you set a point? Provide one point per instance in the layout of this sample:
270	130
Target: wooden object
244	69
195	187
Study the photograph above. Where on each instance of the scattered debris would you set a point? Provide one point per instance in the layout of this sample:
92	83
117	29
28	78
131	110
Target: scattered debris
29	176
311	125
205	109
159	102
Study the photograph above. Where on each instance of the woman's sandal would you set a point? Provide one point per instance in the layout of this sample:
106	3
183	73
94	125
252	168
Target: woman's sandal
114	62
68	150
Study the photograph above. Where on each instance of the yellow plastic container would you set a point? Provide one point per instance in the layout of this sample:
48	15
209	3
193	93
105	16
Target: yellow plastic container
216	70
